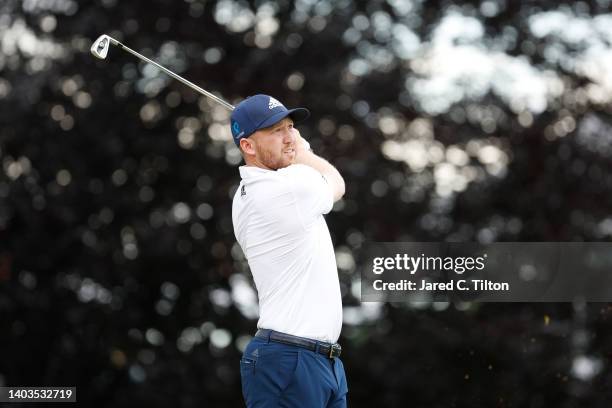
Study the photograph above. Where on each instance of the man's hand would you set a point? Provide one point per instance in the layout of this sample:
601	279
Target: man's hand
305	156
301	144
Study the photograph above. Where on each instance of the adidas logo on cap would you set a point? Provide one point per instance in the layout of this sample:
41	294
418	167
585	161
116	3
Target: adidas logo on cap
273	103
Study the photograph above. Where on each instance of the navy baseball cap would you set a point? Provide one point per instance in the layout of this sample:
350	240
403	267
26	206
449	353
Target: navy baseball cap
259	112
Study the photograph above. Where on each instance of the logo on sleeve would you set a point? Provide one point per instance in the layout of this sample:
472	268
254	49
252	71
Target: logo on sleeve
242	192
274	104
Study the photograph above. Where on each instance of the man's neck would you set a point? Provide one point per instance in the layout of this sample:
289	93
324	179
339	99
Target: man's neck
256	163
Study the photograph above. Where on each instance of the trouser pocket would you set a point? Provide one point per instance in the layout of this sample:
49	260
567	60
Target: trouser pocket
247	370
265	379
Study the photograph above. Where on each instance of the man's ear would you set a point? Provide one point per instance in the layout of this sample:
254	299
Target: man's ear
246	146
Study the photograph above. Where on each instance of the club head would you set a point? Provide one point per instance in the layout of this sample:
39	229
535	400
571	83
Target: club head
100	47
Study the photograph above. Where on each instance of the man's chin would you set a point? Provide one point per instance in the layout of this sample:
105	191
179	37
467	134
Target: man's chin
285	164
291	159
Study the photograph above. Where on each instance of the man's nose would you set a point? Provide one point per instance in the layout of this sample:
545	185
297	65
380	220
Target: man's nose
289	136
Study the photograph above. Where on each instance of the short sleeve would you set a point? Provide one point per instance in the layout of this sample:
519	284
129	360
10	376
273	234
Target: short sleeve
313	194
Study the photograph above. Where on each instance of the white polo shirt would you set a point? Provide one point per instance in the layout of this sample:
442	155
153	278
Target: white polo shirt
278	222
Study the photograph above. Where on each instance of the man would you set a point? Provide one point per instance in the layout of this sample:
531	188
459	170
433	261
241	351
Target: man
278	220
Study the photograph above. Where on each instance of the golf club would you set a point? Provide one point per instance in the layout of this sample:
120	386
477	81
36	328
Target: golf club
99	49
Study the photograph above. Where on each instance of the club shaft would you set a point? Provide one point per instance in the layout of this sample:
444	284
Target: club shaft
173	75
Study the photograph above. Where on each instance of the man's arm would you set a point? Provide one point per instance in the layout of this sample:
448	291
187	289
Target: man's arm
308	158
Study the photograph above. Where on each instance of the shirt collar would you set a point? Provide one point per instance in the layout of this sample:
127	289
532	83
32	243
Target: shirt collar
252	171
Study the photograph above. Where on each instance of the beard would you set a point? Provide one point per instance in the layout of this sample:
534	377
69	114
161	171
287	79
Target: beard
275	160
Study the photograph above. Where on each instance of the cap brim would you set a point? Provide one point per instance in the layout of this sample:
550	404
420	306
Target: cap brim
297	114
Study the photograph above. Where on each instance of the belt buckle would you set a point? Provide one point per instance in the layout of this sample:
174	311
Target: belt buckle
332	350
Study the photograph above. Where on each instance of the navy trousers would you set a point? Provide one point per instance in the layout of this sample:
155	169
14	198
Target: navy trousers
280	375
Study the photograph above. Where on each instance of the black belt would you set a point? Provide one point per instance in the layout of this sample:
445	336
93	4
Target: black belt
327	349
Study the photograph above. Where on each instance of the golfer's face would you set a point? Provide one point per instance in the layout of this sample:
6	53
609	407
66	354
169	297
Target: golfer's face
275	146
